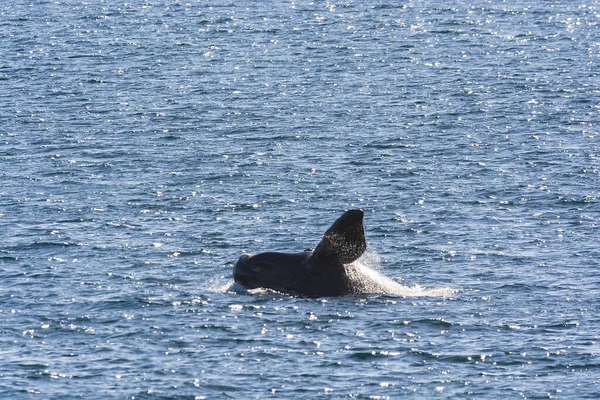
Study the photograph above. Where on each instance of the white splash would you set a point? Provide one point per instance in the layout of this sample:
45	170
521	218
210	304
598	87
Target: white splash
222	285
366	271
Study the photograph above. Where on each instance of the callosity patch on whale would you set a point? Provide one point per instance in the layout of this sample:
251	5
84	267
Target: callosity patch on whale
330	270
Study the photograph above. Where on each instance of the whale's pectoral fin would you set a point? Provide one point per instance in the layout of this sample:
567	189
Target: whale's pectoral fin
344	242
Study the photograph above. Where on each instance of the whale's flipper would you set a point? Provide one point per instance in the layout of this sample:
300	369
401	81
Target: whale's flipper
344	242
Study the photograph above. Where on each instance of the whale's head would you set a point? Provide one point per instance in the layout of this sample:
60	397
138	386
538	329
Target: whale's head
308	273
284	272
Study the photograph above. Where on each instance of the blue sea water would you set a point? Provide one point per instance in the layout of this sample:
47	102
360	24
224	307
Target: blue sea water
144	145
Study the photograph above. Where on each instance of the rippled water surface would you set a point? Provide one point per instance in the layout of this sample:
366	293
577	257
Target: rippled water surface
145	145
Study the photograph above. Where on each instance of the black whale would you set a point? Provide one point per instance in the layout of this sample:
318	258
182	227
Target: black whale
326	271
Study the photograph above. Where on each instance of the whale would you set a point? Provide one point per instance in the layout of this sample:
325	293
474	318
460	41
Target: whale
327	271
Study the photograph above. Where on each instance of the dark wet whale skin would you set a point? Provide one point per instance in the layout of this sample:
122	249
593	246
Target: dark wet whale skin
320	273
294	273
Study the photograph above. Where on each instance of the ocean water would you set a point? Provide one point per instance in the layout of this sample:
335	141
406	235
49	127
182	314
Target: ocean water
144	145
